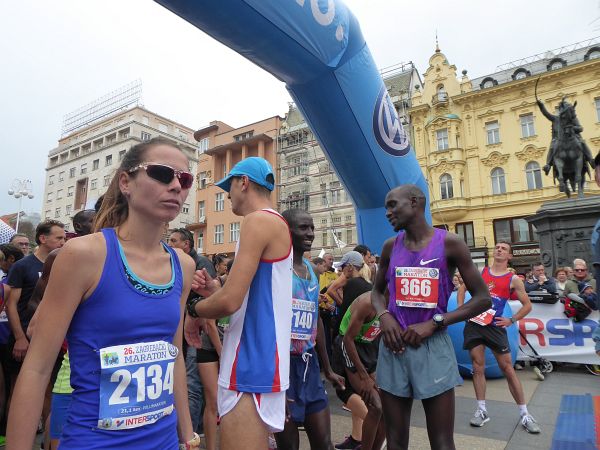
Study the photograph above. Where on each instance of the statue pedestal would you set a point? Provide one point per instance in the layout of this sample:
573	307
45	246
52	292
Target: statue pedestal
564	228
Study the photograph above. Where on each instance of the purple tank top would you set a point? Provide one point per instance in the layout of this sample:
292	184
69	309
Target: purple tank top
418	282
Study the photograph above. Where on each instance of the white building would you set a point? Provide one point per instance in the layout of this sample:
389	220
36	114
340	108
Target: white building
81	167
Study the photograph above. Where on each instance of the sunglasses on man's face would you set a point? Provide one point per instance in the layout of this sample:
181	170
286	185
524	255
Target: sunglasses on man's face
165	174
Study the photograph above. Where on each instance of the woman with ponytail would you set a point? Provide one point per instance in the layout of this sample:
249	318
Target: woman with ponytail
118	296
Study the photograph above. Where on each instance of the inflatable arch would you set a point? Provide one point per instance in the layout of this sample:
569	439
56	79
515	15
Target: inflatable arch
316	48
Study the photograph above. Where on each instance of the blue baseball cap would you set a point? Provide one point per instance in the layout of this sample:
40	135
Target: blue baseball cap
256	169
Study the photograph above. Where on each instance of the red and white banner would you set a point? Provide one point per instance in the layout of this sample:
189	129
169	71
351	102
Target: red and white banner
555	337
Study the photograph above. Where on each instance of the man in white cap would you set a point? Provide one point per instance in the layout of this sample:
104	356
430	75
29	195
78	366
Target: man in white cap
255	359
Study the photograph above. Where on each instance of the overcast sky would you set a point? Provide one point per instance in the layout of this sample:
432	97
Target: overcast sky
56	56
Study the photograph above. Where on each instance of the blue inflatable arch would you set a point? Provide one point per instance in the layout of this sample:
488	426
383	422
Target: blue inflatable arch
316	48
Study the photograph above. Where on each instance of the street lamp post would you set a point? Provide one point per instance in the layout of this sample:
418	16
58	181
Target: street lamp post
20	189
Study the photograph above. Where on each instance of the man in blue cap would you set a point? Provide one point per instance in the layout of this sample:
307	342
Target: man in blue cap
255	359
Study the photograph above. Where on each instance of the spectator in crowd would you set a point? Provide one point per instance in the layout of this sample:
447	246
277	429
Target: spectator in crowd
539	281
327	307
183	239
580	278
22	241
560	276
321	266
569	271
220	261
366	272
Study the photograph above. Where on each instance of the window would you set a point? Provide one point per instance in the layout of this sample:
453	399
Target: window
336	192
348	219
298	165
61	176
108	160
220	201
349	237
95	164
224	169
72	172
446	189
323	189
527	128
70	190
246	135
47	215
336	219
219	231
493	132
533	175
185	209
515	230
324	239
597	104
162	127
498	181
83	168
49	197
201	212
441	137
202	180
69	209
145	136
324	221
57	213
59	194
94	183
234	232
121	154
106	180
203	145
200	242
145	120
51	180
465	231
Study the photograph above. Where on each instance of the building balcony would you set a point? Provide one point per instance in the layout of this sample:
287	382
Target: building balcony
237	144
449	210
450	155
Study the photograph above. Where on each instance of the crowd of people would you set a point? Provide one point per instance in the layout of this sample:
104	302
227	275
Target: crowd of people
119	338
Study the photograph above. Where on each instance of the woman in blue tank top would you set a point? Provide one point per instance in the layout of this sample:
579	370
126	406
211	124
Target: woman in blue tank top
118	296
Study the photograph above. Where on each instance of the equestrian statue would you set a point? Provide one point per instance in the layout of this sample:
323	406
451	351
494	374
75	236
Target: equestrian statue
568	155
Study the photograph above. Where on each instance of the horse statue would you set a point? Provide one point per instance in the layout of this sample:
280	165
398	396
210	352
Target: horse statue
568	155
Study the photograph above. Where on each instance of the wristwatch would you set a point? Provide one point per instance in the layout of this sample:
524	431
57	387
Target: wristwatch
191	307
438	320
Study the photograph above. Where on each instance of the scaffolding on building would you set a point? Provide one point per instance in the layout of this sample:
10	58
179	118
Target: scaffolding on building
119	99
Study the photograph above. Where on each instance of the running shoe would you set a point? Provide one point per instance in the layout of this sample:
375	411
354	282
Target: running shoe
349	444
480	418
530	424
538	373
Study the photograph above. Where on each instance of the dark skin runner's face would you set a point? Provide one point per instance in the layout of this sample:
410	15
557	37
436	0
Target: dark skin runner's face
303	233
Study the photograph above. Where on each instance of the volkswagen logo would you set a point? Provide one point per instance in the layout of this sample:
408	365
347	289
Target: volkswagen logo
387	128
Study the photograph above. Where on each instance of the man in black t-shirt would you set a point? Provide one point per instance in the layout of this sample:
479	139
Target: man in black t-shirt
22	278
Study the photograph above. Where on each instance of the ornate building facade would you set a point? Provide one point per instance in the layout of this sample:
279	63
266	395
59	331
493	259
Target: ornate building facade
482	143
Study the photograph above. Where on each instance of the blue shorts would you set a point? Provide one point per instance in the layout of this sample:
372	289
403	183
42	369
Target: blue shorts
60	409
306	394
419	373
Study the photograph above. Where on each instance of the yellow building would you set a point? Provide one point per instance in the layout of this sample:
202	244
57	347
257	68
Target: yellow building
482	143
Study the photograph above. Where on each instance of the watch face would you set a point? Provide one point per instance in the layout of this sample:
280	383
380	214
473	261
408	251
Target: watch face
438	318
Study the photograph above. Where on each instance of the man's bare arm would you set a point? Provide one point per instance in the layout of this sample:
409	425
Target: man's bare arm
458	254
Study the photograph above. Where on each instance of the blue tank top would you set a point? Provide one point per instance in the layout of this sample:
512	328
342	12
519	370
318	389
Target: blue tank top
122	360
418	282
305	310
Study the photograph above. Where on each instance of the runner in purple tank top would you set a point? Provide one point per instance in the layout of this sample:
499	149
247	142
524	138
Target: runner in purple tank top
416	358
